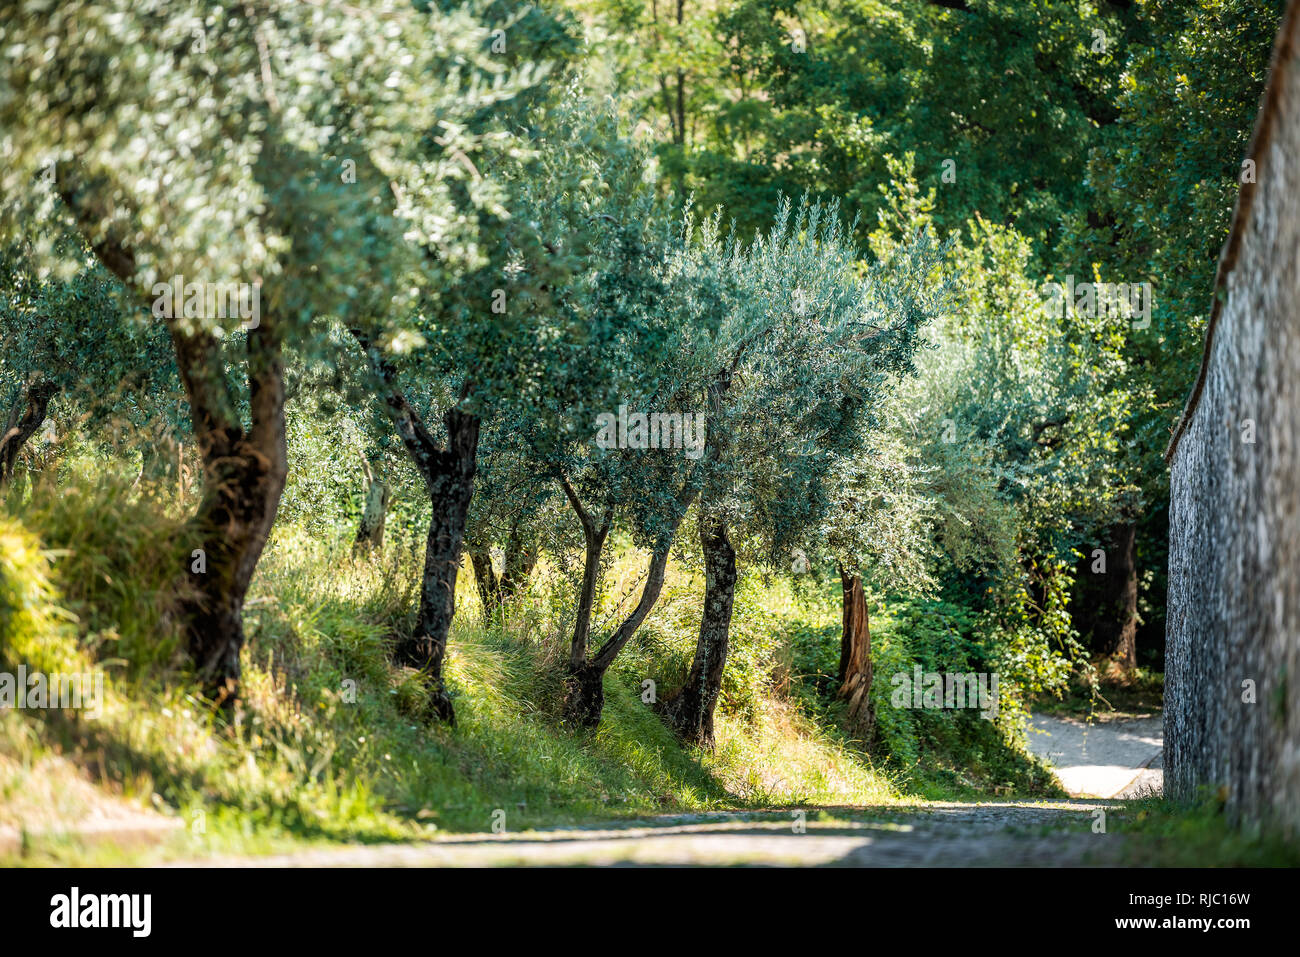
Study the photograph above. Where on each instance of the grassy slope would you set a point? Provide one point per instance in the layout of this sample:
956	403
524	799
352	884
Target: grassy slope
332	742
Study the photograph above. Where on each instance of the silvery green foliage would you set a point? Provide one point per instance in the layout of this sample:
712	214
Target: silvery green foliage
75	330
215	141
579	240
814	339
882	515
614	319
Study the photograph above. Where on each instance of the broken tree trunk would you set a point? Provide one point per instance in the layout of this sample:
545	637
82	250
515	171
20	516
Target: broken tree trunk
1119	606
855	655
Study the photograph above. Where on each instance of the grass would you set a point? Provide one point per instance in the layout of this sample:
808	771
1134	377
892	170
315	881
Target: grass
1200	835
1139	692
333	743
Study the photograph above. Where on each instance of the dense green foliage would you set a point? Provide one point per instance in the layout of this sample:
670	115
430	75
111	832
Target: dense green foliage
815	238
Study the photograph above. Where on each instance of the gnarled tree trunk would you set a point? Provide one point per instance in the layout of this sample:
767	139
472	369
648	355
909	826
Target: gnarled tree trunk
449	477
584	696
584	691
521	559
494	589
690	711
855	656
244	473
584	687
24	419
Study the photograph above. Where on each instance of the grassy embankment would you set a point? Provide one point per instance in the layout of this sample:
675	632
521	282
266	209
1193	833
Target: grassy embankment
333	743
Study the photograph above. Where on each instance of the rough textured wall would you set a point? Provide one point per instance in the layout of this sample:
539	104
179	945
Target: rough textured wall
1234	550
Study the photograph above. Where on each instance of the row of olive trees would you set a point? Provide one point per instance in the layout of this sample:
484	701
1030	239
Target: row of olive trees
765	365
505	266
322	158
793	350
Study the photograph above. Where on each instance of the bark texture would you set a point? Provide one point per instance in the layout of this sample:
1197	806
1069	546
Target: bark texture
24	419
690	710
448	472
450	478
521	559
244	470
855	656
584	693
244	473
1232	680
493	589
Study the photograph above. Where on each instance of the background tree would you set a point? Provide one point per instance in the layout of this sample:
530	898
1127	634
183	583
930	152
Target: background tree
879	532
78	350
1188	95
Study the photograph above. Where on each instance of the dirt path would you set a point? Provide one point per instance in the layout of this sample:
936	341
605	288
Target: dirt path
941	835
1116	756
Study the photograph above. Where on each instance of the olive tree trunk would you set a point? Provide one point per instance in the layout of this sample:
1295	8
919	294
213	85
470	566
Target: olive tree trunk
690	710
584	688
521	559
485	578
244	473
448	474
450	477
24	419
494	589
370	530
243	468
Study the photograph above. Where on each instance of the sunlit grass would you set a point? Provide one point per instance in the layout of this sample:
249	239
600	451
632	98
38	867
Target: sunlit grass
332	742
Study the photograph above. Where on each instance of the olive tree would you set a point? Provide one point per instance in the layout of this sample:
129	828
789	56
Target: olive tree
813	341
72	341
208	154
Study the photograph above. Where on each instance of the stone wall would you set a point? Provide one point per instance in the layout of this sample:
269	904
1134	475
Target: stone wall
1232	678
